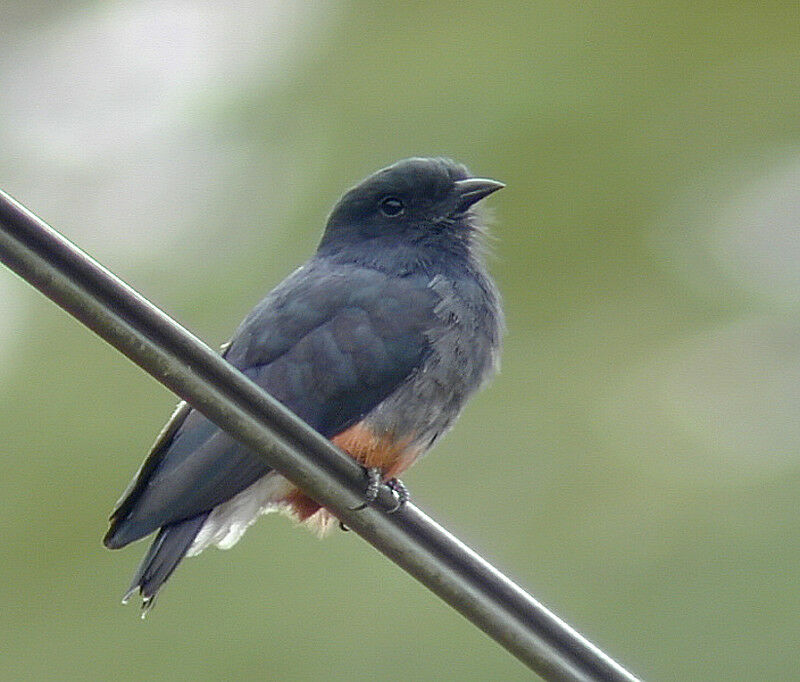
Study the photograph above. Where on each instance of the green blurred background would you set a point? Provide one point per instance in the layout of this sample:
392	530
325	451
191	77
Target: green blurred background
636	465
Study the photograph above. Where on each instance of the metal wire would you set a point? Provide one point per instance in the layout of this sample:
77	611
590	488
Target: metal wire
185	365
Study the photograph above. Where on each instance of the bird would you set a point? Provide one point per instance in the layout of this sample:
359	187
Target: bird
376	341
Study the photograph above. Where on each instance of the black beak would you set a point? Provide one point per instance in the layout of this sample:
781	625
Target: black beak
473	190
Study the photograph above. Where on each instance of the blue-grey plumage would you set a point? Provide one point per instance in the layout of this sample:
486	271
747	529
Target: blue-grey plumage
376	342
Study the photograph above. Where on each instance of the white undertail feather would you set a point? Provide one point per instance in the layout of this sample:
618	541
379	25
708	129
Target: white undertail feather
227	522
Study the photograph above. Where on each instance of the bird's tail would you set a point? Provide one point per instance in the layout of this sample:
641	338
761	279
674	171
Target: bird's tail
166	552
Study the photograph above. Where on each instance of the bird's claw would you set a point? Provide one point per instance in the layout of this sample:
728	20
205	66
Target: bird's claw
374	477
374	480
401	493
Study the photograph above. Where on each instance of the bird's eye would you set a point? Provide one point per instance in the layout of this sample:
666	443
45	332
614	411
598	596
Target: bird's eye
391	206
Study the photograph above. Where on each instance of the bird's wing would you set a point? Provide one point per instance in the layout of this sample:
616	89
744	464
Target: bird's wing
329	344
157	451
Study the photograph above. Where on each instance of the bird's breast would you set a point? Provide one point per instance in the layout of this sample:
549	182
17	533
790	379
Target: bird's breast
391	453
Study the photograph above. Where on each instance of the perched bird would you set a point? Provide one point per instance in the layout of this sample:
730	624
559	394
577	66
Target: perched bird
377	341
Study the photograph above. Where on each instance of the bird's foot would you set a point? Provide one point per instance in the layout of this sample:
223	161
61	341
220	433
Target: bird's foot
400	491
374	480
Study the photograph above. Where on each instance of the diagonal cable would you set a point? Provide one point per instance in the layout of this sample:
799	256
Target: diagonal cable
188	367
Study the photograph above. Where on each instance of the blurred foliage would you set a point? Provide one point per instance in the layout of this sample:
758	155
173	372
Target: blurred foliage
635	465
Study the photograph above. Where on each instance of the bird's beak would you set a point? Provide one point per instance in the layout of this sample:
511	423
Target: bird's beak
473	190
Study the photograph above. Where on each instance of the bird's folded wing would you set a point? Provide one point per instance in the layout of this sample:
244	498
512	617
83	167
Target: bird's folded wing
338	347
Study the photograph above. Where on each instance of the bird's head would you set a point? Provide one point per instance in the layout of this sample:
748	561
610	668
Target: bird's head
416	203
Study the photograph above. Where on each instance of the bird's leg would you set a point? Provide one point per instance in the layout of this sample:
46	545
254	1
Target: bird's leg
374	480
